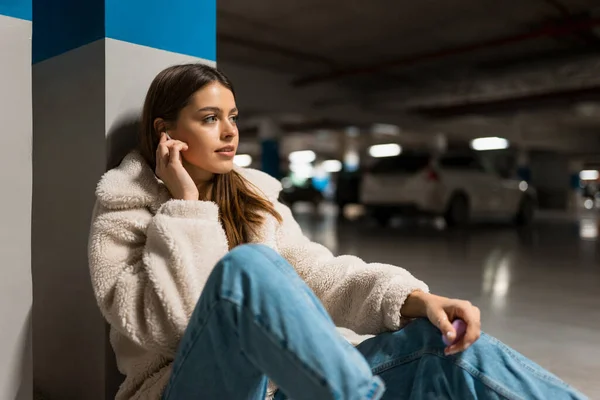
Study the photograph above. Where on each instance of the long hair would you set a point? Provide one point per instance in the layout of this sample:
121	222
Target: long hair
241	208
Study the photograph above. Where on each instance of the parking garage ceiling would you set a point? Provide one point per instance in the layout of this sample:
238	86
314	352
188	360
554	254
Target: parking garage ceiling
532	64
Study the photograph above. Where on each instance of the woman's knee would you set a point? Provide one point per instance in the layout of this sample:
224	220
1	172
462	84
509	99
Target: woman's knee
242	252
253	259
251	270
247	255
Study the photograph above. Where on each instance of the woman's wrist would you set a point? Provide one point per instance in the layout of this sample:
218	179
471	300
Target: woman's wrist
415	305
188	195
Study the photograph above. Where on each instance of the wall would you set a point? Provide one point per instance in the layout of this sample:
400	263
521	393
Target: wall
15	203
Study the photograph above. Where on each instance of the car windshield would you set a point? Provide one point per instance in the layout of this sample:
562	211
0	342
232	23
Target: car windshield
405	163
460	162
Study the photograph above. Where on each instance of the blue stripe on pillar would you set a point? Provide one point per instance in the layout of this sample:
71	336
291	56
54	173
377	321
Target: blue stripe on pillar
63	25
16	8
182	26
575	181
524	173
270	157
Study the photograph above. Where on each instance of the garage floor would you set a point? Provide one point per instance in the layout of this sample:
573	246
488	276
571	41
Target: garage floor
538	289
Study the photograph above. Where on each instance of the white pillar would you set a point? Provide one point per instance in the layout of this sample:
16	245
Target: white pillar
15	203
94	61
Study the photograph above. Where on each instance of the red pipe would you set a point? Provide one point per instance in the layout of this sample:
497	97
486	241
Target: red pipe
548	31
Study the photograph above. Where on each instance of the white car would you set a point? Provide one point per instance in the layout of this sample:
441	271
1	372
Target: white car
454	186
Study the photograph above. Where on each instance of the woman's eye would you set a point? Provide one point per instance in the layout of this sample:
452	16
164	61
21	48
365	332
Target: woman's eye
234	118
210	119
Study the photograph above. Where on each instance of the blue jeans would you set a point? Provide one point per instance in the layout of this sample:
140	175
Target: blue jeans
256	318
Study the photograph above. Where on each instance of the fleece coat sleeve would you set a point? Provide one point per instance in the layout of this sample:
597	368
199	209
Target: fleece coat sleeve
148	270
365	298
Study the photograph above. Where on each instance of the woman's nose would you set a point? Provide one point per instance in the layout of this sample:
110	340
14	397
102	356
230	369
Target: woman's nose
229	130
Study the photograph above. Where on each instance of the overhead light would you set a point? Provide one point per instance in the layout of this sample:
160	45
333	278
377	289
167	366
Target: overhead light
589	175
243	160
385	150
302	157
332	165
489	143
302	170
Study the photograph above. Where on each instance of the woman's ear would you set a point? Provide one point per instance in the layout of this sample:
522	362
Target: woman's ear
160	126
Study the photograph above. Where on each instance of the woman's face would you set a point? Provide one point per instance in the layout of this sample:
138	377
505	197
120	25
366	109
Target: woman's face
208	126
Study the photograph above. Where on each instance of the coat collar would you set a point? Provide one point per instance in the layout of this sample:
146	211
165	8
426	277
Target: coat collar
133	185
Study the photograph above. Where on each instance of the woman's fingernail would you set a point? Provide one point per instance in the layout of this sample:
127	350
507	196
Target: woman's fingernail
449	334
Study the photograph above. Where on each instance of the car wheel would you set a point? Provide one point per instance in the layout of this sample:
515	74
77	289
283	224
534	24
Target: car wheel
526	212
457	213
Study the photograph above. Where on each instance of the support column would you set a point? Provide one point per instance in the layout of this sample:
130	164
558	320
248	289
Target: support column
269	135
351	150
15	203
575	193
550	177
93	63
347	183
523	168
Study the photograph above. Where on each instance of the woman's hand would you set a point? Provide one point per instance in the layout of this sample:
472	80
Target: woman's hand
170	170
442	311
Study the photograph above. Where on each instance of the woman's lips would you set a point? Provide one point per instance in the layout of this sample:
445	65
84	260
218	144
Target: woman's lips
227	151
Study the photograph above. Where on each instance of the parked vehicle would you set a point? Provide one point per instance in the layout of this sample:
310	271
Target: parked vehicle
455	186
301	193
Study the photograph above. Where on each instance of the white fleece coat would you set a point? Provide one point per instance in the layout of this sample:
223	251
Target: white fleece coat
150	256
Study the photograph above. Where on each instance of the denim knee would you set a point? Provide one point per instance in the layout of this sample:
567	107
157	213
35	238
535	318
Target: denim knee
253	259
242	252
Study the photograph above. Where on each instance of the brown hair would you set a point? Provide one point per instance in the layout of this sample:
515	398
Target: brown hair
241	208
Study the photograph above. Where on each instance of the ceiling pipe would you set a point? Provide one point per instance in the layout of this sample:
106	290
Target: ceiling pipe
306	126
547	100
554	30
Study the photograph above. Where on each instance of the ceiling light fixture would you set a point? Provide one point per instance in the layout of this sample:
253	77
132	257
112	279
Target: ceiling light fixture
385	150
302	157
489	143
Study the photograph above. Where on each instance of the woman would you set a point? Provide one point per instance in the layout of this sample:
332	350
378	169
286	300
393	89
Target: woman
210	286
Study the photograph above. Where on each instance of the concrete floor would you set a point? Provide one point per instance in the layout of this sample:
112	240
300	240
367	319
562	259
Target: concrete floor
538	289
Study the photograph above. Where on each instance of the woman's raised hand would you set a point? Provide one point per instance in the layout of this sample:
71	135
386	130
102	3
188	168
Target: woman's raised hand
169	168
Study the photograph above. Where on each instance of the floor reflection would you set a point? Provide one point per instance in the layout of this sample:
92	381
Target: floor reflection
537	288
588	229
496	276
